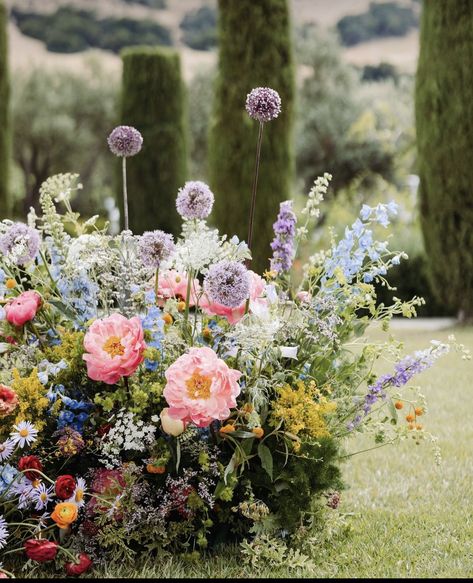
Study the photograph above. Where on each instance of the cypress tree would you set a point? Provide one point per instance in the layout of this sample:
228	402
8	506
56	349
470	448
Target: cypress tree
444	118
4	114
153	101
255	51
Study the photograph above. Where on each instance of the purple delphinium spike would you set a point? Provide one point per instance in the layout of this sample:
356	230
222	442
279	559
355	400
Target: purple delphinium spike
283	242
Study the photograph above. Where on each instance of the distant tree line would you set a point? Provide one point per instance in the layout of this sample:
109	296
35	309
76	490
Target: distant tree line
160	4
200	28
69	30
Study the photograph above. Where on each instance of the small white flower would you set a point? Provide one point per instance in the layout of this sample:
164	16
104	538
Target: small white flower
42	496
6	449
79	493
289	351
25	434
3	532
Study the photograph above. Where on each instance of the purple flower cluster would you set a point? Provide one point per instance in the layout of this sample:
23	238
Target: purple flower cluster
195	200
125	141
404	370
20	243
283	242
155	247
263	104
228	283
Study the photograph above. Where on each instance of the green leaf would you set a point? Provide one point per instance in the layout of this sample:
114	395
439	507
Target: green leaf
266	459
392	410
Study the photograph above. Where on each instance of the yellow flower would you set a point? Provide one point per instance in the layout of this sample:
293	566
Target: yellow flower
32	399
64	514
10	283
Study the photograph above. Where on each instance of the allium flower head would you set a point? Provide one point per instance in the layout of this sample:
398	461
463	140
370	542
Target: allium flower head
195	200
263	104
228	283
155	247
20	243
125	141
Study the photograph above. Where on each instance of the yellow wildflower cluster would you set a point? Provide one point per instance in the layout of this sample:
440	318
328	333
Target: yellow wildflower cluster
70	350
302	409
32	398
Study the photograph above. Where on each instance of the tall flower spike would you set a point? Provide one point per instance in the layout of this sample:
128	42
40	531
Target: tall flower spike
262	104
125	141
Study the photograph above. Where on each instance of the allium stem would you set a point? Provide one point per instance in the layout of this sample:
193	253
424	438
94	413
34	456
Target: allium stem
125	194
255	187
188	295
156	285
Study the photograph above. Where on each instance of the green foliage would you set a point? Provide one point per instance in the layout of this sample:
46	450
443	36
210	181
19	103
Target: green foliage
161	4
154	102
379	72
67	130
200	28
4	114
201	91
339	130
255	50
444	115
381	20
69	30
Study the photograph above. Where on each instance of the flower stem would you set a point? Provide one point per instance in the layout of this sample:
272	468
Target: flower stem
125	194
156	285
188	296
255	187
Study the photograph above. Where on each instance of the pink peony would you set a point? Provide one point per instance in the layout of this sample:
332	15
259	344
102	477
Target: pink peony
8	400
201	387
173	284
115	347
23	308
233	315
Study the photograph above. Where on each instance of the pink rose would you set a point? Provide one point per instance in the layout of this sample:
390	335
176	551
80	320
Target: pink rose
201	387
8	400
173	284
115	347
233	315
23	308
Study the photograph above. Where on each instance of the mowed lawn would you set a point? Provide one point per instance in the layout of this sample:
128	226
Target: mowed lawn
409	517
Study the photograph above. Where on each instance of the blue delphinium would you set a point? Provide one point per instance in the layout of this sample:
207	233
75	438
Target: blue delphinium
74	413
153	325
81	293
283	242
8	475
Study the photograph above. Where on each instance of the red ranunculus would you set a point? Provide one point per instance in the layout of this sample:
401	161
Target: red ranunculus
41	550
76	569
65	486
30	462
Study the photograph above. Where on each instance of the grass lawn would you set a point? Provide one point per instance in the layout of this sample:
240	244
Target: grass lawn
410	518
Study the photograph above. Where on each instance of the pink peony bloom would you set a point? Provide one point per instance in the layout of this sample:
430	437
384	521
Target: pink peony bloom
201	387
8	400
233	315
115	347
173	284
23	308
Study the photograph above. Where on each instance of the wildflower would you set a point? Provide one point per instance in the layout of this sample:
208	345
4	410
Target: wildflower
419	426
70	442
410	418
64	514
201	387
20	243
419	411
283	243
155	469
82	564
10	283
155	247
399	405
24	434
167	318
333	500
6	449
41	550
263	104
115	347
194	200
42	496
125	141
3	532
227	283
79	493
228	428
8	401
258	431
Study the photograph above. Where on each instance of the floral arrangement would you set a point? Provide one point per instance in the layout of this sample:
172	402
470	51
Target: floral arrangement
158	395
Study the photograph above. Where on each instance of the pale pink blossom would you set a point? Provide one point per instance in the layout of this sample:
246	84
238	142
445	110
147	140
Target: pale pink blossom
170	425
201	387
23	308
304	297
114	348
173	284
233	315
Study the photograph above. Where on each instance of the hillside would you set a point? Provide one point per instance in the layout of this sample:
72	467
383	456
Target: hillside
27	52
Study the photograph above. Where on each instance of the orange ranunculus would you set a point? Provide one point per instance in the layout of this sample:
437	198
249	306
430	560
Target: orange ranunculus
64	514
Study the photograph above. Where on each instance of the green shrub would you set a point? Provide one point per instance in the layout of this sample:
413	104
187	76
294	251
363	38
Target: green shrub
200	28
153	101
255	50
380	72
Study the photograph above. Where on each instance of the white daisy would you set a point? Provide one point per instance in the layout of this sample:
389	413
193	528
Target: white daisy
6	449
25	433
79	493
3	532
42	496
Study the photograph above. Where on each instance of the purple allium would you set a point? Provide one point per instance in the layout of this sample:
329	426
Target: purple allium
125	141
20	243
283	242
228	283
195	200
155	247
263	104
